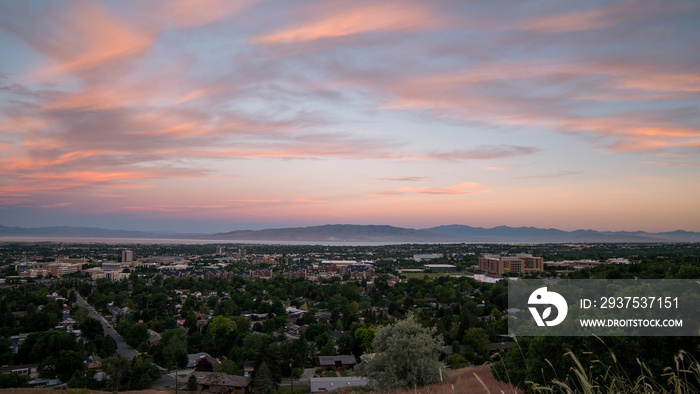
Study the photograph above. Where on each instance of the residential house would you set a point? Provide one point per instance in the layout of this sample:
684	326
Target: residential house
339	363
93	362
31	370
215	382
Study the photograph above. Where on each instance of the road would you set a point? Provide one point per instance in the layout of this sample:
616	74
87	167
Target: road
122	348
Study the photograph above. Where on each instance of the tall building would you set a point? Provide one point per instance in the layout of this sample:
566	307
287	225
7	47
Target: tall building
502	264
127	256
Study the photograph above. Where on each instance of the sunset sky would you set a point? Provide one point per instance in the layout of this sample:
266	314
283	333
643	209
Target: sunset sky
210	116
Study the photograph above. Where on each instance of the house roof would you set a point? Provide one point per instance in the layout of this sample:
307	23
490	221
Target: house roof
221	379
192	359
94	357
325	361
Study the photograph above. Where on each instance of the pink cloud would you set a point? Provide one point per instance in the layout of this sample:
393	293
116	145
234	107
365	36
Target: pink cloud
462	188
254	201
58	205
346	21
597	18
671	163
307	200
174	208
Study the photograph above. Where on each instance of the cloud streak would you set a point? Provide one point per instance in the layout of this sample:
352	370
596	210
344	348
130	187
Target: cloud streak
462	188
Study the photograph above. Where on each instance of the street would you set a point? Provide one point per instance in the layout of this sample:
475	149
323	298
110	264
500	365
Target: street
122	348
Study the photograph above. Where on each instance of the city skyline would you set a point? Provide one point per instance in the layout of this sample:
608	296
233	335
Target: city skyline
206	116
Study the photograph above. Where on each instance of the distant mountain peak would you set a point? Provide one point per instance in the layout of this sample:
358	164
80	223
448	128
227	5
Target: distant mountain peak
374	233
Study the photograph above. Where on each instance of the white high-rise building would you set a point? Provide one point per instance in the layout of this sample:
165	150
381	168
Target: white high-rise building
127	256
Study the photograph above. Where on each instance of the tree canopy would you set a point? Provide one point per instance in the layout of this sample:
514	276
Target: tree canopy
407	356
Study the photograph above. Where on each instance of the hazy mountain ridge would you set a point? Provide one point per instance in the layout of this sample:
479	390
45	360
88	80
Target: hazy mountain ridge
534	234
68	231
374	233
338	232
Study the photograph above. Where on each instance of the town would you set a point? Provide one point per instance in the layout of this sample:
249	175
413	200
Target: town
253	318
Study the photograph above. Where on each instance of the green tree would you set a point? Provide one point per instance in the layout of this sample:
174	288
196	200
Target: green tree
220	325
407	356
109	346
456	360
172	348
39	345
365	336
143	372
79	313
136	334
228	367
11	380
117	368
192	383
475	340
67	362
91	329
262	381
328	349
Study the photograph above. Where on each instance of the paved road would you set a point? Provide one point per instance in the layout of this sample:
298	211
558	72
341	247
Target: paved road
122	348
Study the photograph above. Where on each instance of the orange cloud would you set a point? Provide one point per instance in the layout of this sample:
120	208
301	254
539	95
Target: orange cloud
191	13
84	37
398	16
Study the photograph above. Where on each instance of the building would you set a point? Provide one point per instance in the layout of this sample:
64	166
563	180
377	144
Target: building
425	257
361	271
60	269
93	362
111	266
504	264
127	256
339	363
215	382
440	267
31	370
574	264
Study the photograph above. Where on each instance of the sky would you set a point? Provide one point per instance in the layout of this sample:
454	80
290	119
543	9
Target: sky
219	115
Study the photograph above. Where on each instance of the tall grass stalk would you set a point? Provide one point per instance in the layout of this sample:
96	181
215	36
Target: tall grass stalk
682	378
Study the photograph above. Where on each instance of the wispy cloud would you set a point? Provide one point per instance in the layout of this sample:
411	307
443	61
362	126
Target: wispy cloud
407	179
560	174
462	188
670	163
307	200
350	18
484	153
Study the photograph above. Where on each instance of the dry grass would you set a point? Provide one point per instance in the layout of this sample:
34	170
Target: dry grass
464	380
476	379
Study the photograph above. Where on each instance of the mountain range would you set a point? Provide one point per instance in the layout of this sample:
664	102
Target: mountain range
372	233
